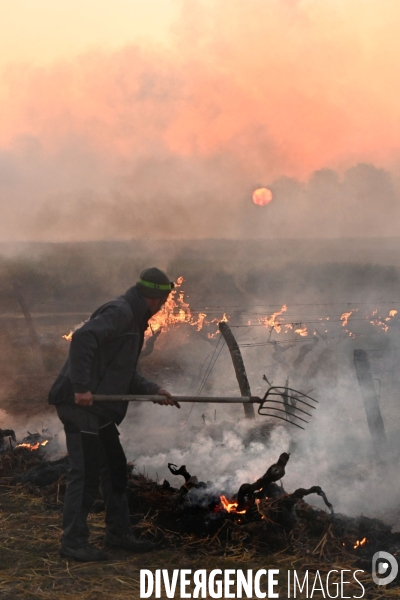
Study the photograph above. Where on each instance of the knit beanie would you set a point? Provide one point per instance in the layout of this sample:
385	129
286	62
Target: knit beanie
154	283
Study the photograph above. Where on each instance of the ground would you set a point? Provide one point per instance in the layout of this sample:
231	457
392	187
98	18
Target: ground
30	565
32	568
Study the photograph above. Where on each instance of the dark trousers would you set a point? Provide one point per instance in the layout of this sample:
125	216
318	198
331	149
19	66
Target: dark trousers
96	458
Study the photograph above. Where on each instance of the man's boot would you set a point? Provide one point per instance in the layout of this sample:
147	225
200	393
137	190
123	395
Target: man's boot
83	553
127	542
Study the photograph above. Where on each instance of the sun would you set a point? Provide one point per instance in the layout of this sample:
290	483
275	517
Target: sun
262	196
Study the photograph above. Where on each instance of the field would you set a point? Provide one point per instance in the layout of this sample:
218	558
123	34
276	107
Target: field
249	282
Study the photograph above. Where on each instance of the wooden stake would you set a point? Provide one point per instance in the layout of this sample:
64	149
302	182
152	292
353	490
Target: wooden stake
238	365
37	352
371	402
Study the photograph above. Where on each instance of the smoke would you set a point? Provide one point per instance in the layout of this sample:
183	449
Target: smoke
169	142
334	451
2	417
317	280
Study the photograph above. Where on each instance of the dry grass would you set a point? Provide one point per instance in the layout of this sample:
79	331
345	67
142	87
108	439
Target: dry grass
30	565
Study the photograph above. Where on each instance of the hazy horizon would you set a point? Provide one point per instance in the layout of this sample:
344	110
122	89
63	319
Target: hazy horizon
161	121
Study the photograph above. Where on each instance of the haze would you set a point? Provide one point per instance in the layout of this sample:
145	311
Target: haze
159	119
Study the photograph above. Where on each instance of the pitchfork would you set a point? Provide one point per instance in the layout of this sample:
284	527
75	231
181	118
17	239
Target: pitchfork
288	403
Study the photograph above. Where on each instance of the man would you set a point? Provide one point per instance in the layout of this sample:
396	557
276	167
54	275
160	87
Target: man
103	359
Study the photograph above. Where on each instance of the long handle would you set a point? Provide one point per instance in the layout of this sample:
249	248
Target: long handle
217	399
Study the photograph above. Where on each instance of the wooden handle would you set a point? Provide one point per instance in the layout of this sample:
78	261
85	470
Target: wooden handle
157	398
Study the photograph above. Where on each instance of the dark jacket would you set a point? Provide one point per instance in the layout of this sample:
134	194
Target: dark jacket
103	357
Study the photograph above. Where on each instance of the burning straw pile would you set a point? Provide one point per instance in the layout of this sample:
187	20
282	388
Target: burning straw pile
191	521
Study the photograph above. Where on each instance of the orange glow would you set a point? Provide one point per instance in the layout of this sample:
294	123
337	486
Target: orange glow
230	506
379	323
302	331
174	312
262	196
32	447
225	105
392	313
177	311
345	318
273	321
360	543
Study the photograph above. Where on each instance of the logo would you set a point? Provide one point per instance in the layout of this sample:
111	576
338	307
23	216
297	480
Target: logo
384	568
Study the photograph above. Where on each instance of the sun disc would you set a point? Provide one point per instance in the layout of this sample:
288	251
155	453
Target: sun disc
262	196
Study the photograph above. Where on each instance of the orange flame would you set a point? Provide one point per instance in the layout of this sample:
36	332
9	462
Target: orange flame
69	335
360	543
230	506
224	319
392	313
32	447
345	318
177	311
377	322
302	331
273	320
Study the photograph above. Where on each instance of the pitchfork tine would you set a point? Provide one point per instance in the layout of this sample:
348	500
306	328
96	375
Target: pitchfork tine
294	397
279	402
283	411
301	394
284	391
282	419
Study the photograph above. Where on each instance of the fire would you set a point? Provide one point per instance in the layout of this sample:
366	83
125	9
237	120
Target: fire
224	319
378	322
262	196
273	320
345	318
302	331
32	447
360	543
176	311
68	336
230	506
383	326
392	313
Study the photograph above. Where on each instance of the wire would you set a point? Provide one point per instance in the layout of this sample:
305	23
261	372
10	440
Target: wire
211	365
223	306
207	374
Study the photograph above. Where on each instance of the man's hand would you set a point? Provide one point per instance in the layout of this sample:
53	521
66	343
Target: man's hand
85	399
167	400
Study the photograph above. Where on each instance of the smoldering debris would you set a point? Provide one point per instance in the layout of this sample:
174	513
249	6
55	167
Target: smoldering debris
199	518
7	438
43	443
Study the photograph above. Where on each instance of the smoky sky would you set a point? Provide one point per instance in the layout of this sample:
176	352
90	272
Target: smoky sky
170	141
